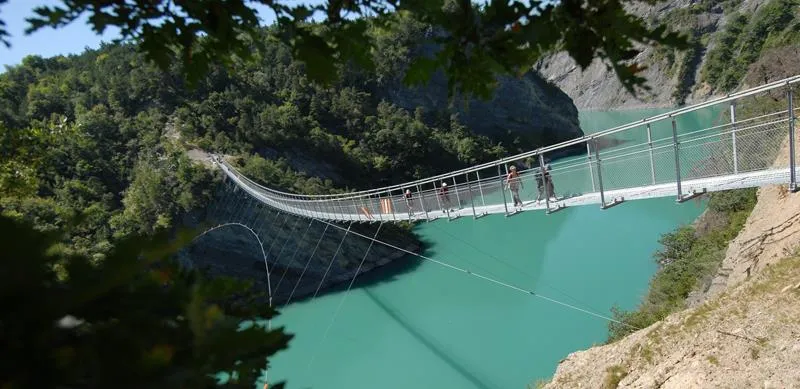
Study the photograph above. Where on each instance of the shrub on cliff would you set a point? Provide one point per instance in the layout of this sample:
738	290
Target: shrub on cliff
687	262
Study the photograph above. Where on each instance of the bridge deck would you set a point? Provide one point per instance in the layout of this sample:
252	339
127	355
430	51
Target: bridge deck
742	147
714	184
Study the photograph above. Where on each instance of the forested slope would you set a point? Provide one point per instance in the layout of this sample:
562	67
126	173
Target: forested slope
102	135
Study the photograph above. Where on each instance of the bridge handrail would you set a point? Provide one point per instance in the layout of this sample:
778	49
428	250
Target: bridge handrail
562	145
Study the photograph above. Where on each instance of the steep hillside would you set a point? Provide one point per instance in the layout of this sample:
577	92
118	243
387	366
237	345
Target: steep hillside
731	271
741	330
726	38
745	338
96	143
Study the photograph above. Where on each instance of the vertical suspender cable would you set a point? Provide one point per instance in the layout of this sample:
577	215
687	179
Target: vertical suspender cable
333	258
341	302
307	263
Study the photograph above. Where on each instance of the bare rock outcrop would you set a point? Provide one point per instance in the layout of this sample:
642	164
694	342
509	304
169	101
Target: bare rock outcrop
748	337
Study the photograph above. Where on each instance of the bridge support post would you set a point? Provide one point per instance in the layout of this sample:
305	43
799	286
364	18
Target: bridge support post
792	173
471	197
589	157
455	188
391	204
544	180
379	209
480	188
733	138
436	194
361	214
677	159
502	190
603	204
422	202
650	147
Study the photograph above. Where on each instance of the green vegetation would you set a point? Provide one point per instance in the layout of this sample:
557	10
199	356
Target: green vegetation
740	44
94	154
683	64
56	170
688	261
136	320
614	374
477	41
102	137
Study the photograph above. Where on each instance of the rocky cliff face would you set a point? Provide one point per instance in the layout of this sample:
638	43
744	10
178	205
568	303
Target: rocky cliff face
597	87
527	107
673	77
746	338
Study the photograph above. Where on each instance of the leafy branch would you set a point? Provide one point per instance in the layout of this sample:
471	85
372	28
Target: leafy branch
135	320
476	43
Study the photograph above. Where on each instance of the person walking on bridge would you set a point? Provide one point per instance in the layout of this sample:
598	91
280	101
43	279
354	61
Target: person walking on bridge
444	198
514	183
548	180
539	175
409	202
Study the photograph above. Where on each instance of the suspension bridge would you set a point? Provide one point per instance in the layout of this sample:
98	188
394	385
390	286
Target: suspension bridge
753	144
750	143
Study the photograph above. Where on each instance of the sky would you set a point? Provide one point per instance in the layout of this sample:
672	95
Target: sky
72	39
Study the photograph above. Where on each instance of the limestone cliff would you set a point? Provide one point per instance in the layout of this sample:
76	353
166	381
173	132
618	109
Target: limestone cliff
745	338
527	107
675	77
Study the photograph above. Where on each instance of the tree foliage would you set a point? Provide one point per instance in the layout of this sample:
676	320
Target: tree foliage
102	135
137	320
477	41
744	38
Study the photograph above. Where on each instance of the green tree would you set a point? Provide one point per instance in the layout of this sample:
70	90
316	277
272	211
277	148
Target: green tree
476	41
137	320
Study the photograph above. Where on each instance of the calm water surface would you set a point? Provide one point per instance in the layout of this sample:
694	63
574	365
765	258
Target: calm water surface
434	327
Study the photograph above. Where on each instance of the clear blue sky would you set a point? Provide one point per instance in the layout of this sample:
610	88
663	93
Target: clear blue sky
71	39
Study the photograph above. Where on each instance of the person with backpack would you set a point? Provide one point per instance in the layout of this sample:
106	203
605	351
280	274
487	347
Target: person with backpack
548	180
539	185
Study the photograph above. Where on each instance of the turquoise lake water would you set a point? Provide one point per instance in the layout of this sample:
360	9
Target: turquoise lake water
435	327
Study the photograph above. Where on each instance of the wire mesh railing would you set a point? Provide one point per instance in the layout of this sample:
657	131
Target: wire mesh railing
751	131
